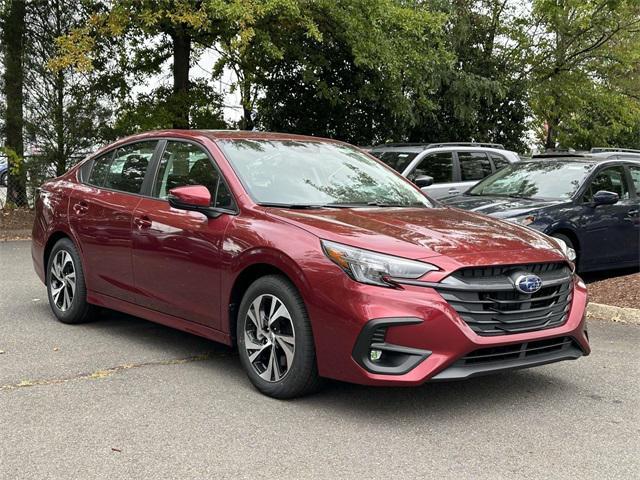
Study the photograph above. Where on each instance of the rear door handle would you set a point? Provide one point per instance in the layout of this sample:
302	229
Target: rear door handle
454	191
81	207
142	222
633	213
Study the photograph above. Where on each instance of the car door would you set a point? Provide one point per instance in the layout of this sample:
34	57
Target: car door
438	165
177	253
608	233
473	167
634	213
100	215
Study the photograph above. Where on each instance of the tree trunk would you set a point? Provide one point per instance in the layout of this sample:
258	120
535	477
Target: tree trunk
550	140
246	123
181	58
13	82
60	160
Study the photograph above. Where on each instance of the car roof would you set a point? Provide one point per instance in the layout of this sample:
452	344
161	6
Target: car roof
593	159
442	146
223	135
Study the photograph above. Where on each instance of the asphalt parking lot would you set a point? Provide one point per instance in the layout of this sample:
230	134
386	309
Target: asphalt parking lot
124	398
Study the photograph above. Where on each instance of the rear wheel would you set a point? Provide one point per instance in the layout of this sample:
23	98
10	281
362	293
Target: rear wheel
275	341
65	284
3	179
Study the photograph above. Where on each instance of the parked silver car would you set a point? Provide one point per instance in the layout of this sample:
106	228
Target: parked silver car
445	169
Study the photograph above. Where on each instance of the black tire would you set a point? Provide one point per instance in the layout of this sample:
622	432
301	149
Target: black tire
3	179
302	377
569	243
78	311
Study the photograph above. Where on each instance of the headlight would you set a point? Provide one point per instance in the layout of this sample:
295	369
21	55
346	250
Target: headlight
371	267
568	252
522	220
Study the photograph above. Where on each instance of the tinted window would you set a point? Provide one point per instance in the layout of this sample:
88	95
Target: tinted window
611	180
498	161
187	164
473	166
316	173
399	161
99	170
436	165
551	179
635	177
129	166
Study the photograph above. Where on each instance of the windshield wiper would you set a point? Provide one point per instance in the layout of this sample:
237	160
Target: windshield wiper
293	206
372	204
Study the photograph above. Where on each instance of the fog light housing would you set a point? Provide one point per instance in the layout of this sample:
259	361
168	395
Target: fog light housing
375	355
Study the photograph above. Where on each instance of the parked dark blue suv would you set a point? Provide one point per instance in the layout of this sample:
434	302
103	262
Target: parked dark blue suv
590	203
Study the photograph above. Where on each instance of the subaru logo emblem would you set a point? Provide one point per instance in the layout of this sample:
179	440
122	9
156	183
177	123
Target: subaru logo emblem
528	283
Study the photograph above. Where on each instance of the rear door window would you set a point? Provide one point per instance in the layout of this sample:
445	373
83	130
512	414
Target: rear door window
99	169
473	166
129	166
437	165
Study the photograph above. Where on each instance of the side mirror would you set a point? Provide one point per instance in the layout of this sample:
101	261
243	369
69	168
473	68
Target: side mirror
423	181
602	197
195	198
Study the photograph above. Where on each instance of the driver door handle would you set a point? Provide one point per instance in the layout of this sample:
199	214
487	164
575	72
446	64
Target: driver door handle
142	222
633	212
81	207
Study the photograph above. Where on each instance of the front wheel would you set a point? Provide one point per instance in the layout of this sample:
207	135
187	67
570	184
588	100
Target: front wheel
3	179
65	284
275	341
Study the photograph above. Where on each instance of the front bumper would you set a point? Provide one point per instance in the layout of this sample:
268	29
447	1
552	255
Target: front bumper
426	337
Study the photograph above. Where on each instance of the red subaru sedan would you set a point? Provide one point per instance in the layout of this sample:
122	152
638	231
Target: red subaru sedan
312	257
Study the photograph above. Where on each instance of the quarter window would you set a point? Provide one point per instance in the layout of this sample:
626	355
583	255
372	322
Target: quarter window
185	164
611	180
129	166
473	166
437	165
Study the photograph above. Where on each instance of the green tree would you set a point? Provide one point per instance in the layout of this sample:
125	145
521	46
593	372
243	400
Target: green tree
13	19
154	32
583	71
364	77
65	111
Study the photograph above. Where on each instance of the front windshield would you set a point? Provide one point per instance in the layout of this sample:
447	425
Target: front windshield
310	173
545	179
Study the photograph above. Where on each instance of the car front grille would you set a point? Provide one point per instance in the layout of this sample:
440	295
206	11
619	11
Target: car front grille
486	298
517	351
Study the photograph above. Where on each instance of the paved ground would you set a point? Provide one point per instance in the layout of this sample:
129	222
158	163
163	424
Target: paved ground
124	398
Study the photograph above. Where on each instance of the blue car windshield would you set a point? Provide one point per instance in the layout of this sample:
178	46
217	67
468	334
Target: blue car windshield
305	173
543	179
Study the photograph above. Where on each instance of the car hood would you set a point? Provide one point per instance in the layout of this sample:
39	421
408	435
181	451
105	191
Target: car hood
499	207
418	232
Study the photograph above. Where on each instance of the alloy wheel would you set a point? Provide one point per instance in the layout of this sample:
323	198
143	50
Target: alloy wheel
63	280
269	338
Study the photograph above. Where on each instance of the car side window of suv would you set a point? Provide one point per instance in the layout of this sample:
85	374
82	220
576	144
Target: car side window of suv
183	164
437	165
635	178
129	166
473	166
610	179
499	161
